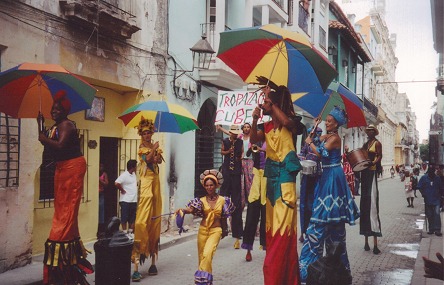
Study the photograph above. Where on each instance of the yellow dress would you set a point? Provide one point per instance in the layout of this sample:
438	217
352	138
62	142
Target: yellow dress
147	231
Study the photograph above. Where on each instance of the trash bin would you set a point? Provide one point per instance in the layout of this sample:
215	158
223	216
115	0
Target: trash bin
113	258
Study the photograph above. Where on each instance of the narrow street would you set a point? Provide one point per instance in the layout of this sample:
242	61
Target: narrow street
401	228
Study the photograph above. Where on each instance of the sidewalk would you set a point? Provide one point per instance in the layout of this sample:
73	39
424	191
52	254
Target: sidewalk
32	273
430	245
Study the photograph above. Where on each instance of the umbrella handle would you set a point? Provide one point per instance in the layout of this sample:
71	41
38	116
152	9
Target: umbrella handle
41	122
318	121
167	214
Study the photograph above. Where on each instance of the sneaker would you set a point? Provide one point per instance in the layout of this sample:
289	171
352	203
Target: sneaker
130	236
136	276
153	270
236	244
438	234
430	233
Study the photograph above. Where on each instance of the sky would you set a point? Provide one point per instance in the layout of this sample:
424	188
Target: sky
411	21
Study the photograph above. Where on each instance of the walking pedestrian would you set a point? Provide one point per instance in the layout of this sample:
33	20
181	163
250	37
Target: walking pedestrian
281	168
408	190
147	230
430	187
212	208
333	204
392	172
232	151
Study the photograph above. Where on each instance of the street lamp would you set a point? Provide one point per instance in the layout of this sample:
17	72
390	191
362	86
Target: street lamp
202	53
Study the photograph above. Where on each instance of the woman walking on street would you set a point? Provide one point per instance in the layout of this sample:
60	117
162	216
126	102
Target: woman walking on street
214	210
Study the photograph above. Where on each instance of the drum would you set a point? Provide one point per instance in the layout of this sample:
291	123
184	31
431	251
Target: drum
308	167
358	159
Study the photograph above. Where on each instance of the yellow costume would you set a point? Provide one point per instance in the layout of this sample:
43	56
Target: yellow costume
281	167
147	231
208	237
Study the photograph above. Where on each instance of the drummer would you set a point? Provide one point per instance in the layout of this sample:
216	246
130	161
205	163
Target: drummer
308	183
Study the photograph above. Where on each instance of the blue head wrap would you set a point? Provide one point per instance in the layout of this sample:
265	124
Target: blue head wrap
339	115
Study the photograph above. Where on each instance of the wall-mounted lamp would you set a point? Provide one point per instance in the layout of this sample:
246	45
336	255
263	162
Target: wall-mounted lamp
332	50
202	53
344	62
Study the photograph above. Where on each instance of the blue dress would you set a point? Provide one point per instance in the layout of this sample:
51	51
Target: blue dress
333	200
333	206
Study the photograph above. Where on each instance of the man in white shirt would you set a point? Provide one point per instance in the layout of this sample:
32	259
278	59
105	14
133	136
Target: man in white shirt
126	183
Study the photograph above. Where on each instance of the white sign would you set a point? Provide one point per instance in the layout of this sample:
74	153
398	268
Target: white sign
434	133
236	107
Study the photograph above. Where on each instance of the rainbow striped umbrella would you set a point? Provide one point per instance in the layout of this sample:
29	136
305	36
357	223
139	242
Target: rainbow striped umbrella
284	57
29	88
167	117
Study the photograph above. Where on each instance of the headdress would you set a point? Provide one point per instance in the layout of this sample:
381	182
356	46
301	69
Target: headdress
235	129
212	174
60	97
372	127
340	115
145	125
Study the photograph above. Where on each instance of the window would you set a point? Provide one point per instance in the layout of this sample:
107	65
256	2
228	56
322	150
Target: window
322	38
304	15
212	11
9	151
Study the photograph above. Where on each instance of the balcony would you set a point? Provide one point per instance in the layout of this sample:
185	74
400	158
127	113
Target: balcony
370	108
378	67
107	18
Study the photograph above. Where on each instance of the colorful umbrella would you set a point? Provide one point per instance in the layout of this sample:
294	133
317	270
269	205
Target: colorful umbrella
169	118
29	87
320	104
284	57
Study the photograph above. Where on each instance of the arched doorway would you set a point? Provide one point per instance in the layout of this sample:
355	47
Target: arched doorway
208	144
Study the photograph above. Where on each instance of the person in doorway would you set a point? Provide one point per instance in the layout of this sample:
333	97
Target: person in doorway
281	168
126	183
430	186
103	183
147	230
333	205
308	183
213	209
232	151
370	224
256	201
62	266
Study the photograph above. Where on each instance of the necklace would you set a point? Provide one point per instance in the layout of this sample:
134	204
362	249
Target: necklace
332	132
214	198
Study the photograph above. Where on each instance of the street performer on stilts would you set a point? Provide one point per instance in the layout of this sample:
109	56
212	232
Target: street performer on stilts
281	167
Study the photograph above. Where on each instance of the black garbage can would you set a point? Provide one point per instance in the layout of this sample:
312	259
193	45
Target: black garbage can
113	260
